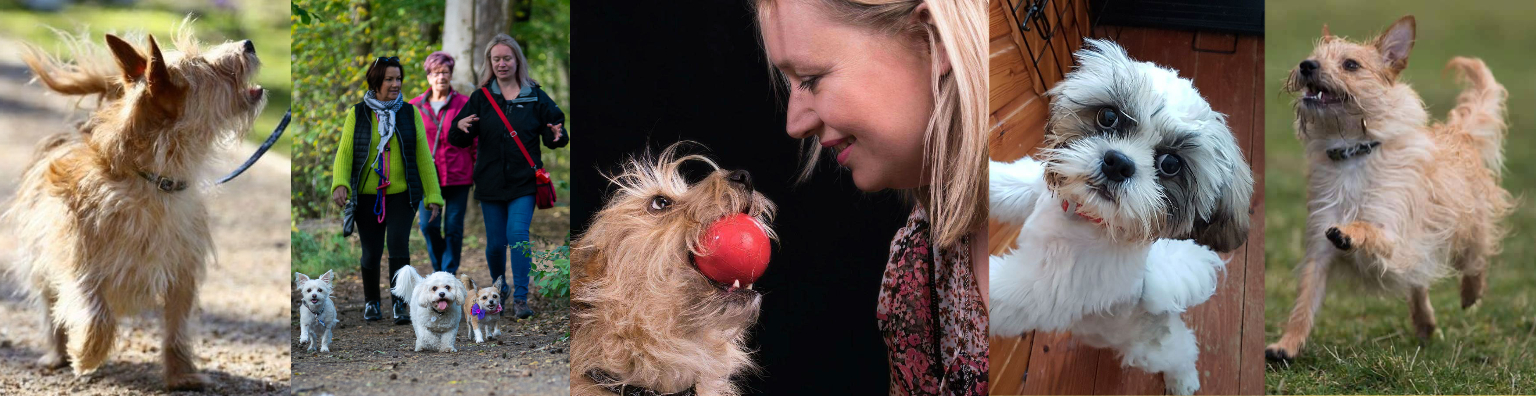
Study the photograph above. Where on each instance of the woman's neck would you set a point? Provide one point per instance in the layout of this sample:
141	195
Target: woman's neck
439	96
509	86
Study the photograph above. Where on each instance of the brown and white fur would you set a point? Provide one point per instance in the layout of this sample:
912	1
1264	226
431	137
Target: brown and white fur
641	310
1424	205
489	300
98	240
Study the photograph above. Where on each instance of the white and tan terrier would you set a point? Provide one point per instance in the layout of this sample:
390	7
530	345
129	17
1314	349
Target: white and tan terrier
1391	196
482	308
112	219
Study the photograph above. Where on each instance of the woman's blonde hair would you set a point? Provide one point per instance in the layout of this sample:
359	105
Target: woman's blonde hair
517	51
955	141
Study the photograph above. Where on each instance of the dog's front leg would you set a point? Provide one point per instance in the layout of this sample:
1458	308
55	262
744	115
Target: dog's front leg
325	340
180	371
445	341
1309	298
1182	378
1014	188
479	336
1364	237
57	356
90	328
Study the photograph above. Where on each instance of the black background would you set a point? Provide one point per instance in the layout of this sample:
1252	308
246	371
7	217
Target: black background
692	70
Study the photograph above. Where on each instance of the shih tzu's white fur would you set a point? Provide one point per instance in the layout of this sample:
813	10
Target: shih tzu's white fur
318	315
1116	261
436	306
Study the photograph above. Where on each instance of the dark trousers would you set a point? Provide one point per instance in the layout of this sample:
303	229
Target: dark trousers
395	231
445	234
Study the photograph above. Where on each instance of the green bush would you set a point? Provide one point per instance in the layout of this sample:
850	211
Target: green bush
314	254
551	270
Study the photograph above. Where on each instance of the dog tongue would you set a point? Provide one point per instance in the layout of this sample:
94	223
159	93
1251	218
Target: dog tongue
442	305
738	250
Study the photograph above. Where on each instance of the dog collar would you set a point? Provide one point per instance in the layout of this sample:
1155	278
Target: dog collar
606	380
165	184
1070	207
1344	153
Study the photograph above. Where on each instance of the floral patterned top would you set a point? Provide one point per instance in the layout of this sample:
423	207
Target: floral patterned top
931	315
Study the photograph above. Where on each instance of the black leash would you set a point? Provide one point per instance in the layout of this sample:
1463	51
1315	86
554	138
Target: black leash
281	125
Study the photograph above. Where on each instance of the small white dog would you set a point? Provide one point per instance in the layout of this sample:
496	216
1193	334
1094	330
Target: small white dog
436	306
1137	166
319	314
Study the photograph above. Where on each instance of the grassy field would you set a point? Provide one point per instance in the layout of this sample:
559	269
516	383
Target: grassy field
264	23
1363	343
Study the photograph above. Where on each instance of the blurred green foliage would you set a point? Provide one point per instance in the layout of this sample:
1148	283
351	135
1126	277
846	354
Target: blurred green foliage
264	23
342	37
551	270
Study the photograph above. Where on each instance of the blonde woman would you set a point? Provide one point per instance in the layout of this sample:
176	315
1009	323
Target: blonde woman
895	93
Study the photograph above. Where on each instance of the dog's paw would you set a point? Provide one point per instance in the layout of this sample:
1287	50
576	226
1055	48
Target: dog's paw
53	361
1276	353
1338	238
186	382
1182	384
325	349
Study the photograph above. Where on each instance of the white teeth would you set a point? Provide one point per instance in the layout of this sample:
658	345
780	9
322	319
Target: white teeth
749	286
737	284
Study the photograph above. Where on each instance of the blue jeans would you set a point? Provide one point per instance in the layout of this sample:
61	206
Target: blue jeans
445	242
506	224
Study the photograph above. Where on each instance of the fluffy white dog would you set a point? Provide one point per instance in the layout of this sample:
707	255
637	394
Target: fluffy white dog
1139	173
436	306
318	316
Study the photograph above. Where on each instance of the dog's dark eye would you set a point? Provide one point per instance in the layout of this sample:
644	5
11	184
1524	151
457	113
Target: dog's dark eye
1351	65
1108	118
1169	165
434	288
660	203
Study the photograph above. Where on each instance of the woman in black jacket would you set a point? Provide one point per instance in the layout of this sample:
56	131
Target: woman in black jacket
504	183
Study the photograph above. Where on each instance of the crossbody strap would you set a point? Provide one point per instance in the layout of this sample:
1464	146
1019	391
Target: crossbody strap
496	104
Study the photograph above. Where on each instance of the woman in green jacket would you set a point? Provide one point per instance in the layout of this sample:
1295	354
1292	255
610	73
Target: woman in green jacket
384	207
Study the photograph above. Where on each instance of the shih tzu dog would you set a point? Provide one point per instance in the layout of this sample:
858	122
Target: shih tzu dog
1391	197
647	314
318	315
436	306
1139	188
482	309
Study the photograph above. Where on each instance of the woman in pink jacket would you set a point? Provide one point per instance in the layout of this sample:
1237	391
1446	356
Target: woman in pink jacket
455	165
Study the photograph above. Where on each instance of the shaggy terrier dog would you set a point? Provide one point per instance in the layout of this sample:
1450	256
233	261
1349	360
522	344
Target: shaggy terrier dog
436	306
644	318
318	315
482	309
112	219
1397	200
1141	185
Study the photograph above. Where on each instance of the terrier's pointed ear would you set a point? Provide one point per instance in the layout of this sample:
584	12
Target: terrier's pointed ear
299	279
1395	44
128	57
1326	35
159	76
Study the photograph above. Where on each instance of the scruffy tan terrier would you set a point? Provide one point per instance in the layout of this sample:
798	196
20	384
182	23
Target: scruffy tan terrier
112	219
644	319
1394	198
482	309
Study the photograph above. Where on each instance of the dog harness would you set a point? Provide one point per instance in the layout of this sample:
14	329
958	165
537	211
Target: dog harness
1344	153
604	379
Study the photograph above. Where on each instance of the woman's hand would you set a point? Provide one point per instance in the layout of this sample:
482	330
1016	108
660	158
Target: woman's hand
339	196
467	121
436	209
558	130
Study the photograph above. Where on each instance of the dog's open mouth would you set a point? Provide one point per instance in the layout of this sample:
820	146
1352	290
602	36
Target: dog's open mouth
1318	95
441	305
314	301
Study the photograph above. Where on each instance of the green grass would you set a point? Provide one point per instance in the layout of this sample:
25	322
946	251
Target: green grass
264	23
315	253
1363	343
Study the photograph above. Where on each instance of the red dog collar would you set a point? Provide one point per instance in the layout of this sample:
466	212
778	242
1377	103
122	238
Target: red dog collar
1068	206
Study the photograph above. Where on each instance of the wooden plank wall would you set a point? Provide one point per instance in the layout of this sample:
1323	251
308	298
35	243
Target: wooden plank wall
1230	325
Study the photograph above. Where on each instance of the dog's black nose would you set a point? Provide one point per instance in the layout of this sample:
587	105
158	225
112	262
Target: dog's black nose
1117	167
250	47
1307	67
741	177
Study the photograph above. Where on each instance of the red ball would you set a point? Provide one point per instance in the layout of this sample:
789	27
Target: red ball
736	248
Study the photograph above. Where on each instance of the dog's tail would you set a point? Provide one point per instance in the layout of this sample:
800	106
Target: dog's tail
405	283
1479	110
468	282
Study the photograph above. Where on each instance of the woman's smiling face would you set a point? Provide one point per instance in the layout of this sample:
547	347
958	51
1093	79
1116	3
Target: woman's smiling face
390	89
865	94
